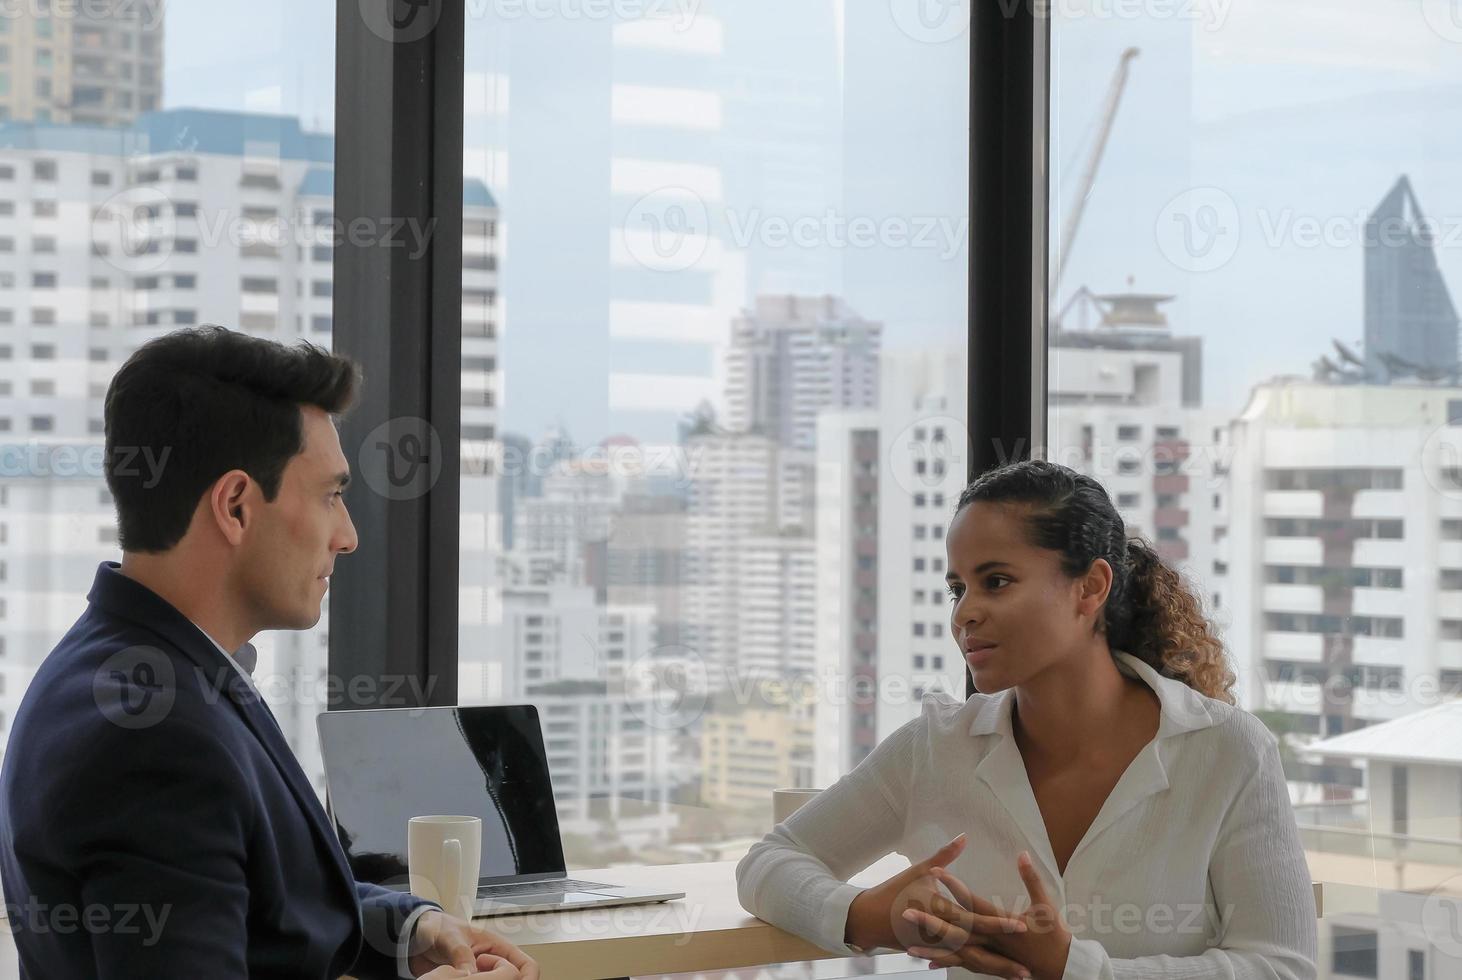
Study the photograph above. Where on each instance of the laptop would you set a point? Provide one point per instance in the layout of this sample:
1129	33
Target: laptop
384	766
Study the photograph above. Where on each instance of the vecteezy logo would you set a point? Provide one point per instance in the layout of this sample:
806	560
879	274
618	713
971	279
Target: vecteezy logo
668	230
1199	230
401	21
930	453
401	458
668	687
134	230
931	21
1441	916
135	688
1445	18
1441	460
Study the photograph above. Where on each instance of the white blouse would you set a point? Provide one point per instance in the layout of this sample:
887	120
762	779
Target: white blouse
1192	869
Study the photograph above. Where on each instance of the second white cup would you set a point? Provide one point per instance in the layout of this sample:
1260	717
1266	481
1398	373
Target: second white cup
443	854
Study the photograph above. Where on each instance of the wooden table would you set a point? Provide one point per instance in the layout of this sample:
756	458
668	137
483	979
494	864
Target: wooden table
706	930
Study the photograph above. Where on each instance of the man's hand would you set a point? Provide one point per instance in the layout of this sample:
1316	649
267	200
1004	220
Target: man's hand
444	947
1039	952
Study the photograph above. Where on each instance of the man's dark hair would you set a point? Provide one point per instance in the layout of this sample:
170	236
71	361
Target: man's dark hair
191	405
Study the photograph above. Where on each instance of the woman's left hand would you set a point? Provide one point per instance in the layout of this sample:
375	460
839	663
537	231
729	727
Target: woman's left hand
1042	948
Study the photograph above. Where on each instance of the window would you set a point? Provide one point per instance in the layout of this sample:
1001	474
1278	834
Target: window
1308	498
68	274
1353	951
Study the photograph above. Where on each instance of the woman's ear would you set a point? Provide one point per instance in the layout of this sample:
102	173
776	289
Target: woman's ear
1096	585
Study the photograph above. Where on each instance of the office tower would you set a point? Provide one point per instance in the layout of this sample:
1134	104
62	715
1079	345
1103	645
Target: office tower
887	484
1126	407
1410	320
110	237
1344	558
644	561
95	63
794	356
747	502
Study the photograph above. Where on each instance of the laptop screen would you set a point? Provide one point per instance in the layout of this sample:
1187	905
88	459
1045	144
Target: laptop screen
384	767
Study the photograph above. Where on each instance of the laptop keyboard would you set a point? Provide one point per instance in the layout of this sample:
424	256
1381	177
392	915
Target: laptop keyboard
556	886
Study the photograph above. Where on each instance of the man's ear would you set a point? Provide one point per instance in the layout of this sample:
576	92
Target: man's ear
229	505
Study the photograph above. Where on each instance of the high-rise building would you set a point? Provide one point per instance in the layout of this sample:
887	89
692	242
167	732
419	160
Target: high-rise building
1410	321
792	357
1126	408
1343	553
887	484
95	63
745	493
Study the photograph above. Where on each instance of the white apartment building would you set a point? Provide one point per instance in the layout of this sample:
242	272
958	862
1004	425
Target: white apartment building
1126	408
776	608
576	506
792	357
585	666
887	485
1343	550
109	237
745	494
611	764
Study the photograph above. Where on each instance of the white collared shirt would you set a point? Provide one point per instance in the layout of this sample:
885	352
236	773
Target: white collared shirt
244	662
1193	868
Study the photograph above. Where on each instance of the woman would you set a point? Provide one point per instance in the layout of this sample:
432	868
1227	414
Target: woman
1113	814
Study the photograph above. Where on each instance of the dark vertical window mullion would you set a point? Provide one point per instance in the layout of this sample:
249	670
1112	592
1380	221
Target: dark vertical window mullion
397	311
1009	176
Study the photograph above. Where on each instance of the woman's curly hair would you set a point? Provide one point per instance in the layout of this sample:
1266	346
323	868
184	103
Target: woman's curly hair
1150	612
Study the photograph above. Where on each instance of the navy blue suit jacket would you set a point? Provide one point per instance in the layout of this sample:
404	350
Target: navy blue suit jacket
154	822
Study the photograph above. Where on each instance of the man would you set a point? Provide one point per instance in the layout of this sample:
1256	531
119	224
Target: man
153	821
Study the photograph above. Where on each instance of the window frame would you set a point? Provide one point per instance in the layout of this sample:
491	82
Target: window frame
398	155
394	605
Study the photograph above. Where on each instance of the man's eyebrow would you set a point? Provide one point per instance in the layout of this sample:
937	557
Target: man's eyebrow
341	480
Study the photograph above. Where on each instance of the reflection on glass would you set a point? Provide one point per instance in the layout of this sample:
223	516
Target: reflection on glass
730	384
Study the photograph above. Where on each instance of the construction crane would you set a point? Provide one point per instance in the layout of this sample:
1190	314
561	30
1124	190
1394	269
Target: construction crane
1089	175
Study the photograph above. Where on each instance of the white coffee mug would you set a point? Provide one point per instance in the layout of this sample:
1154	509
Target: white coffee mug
442	854
786	802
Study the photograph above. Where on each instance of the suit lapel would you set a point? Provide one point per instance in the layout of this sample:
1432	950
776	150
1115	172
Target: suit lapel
116	595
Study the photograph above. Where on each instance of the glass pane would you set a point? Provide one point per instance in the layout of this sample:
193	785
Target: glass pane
731	247
1255	350
169	178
